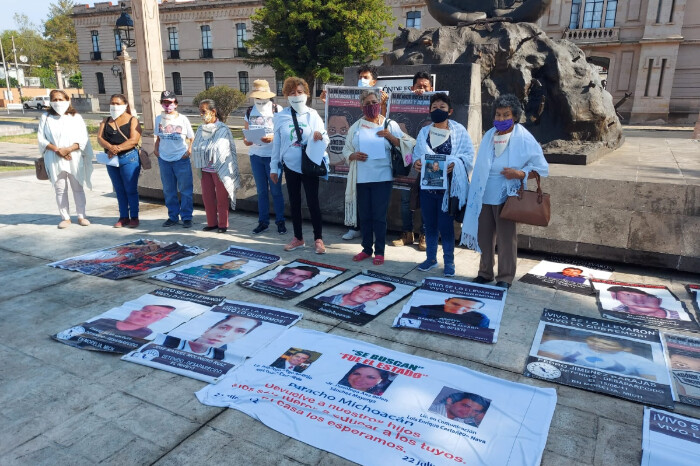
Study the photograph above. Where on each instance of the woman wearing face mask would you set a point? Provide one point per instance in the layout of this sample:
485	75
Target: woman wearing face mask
259	116
446	137
174	137
370	177
119	134
287	151
214	154
64	143
508	154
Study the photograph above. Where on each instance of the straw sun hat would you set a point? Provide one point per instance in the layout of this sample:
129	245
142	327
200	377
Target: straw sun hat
261	90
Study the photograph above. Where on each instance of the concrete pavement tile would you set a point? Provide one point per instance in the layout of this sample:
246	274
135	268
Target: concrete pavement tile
139	451
212	447
618	443
573	446
606	407
551	458
42	451
248	429
27	280
329	459
82	435
569	420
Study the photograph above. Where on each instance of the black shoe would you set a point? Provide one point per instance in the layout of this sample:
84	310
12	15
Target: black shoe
169	223
208	228
222	230
260	228
187	224
281	228
504	285
481	280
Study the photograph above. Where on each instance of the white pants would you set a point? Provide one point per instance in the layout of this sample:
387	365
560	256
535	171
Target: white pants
61	187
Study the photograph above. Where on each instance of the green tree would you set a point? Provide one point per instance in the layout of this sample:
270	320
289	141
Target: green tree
318	38
28	43
59	31
76	80
227	99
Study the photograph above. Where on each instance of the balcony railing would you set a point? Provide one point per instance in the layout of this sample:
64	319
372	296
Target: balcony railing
240	52
206	53
593	36
116	54
95	55
174	55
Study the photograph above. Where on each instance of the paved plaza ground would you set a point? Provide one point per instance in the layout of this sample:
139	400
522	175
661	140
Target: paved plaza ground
61	405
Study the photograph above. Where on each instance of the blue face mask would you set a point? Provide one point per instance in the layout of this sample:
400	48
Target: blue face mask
363	82
439	115
504	125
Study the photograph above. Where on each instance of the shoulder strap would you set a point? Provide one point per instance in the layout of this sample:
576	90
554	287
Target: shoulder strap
296	125
247	112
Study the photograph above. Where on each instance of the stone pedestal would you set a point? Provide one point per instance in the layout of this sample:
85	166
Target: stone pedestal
125	58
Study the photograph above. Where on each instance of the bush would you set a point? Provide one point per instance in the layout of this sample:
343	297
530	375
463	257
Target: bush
76	80
227	99
13	82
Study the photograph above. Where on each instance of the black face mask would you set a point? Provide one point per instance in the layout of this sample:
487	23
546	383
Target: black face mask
439	115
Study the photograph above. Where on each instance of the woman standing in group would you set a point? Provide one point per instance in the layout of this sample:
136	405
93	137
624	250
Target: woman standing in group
287	150
370	176
508	154
64	143
451	139
119	134
214	153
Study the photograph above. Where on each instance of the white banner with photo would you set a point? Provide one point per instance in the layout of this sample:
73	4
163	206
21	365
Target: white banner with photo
670	439
373	405
292	279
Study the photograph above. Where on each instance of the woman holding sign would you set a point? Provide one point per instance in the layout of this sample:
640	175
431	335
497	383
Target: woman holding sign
445	143
368	191
507	154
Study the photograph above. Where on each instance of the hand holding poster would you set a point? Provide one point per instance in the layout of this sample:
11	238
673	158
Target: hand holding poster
289	281
683	358
211	344
572	276
342	111
361	298
461	309
373	405
211	272
433	172
601	356
670	439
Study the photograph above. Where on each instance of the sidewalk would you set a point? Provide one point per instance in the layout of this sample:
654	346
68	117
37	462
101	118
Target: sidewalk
62	405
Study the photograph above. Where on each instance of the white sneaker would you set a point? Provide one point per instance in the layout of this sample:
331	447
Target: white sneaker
351	234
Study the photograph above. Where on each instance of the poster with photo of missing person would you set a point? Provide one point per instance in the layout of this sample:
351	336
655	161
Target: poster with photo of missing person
129	259
209	273
373	405
461	309
694	291
649	305
134	323
292	279
669	439
683	359
602	356
361	298
210	345
567	275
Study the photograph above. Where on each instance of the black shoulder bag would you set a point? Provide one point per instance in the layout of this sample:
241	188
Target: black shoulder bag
308	167
398	168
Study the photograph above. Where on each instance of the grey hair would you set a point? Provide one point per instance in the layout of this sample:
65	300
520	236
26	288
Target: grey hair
509	101
211	105
365	94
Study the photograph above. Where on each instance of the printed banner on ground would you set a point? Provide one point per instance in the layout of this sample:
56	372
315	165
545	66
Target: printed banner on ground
213	343
461	309
670	439
572	276
683	357
601	356
694	291
361	298
129	259
134	323
211	272
342	111
290	280
634	303
373	405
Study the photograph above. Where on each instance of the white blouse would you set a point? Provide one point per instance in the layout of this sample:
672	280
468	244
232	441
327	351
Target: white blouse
64	131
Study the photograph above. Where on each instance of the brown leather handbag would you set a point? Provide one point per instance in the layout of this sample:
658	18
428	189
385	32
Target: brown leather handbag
529	207
40	167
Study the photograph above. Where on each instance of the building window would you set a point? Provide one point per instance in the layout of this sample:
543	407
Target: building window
173	39
575	11
279	82
661	77
206	37
610	11
241	35
208	79
117	42
243	83
177	83
95	41
650	67
100	83
592	14
413	19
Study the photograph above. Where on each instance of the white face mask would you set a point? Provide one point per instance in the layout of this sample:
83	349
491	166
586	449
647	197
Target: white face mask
60	106
115	111
298	102
260	104
363	82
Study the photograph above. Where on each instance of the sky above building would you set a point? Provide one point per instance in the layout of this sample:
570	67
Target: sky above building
37	10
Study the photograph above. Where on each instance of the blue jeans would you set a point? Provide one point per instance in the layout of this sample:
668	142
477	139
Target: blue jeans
372	205
407	213
261	174
177	176
125	180
437	222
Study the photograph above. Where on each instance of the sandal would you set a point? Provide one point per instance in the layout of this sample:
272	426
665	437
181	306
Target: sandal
360	256
378	260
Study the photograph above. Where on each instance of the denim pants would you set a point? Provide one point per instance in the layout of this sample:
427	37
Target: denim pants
177	177
372	205
125	180
261	174
437	222
407	214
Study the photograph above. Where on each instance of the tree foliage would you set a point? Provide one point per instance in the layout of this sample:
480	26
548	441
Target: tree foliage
227	99
76	80
318	38
59	31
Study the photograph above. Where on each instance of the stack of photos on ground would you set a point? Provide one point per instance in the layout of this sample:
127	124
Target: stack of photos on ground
290	280
209	273
569	275
361	298
210	345
372	405
129	259
601	356
634	303
683	358
670	439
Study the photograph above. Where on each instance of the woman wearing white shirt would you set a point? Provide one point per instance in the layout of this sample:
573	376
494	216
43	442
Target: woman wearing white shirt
370	176
64	143
287	150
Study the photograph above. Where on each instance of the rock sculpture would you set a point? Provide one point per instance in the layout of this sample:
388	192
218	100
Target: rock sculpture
453	12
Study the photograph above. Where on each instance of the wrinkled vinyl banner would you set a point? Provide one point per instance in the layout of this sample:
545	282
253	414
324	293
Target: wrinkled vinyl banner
670	439
373	405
